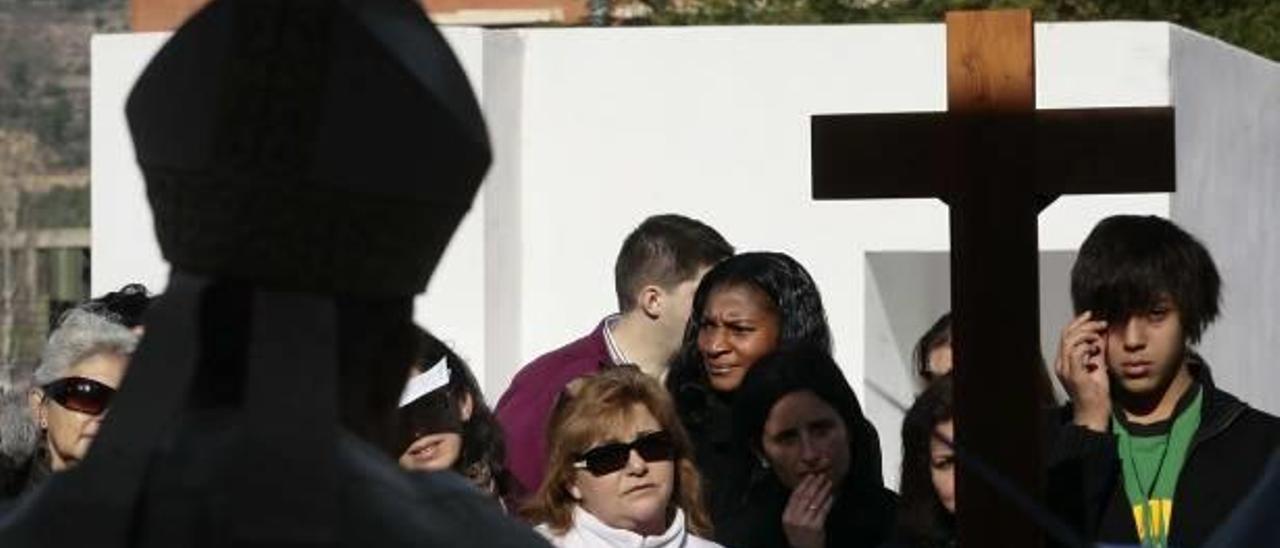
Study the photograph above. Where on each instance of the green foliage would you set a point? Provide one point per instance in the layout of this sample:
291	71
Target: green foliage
1251	24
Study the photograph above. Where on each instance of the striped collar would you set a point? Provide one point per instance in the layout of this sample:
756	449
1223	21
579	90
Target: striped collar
615	351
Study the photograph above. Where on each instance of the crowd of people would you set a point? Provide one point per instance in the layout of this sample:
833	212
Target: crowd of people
709	409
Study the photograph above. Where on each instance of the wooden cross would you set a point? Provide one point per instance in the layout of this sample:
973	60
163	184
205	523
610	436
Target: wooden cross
996	161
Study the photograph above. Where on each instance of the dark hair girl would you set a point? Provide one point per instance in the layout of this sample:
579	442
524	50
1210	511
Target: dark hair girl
926	508
745	307
451	427
820	482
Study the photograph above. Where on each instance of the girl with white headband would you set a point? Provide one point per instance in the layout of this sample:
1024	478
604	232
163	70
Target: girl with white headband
444	423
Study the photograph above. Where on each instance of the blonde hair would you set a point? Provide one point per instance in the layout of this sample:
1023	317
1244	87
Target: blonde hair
590	410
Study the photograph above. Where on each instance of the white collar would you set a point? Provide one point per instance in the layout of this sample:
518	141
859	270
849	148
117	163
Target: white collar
611	344
591	528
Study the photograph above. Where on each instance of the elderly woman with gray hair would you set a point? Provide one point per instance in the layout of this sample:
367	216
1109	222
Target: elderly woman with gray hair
80	369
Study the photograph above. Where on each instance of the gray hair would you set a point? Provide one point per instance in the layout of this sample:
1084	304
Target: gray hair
81	335
19	434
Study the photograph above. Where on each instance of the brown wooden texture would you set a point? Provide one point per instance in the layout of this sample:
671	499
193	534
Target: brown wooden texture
990	61
994	269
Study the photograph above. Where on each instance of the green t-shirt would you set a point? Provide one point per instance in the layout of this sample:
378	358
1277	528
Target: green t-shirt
1151	458
1148	453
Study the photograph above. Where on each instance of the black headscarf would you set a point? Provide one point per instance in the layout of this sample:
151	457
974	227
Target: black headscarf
807	369
863	509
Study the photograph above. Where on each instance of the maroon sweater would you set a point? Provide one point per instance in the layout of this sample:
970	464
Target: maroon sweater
525	407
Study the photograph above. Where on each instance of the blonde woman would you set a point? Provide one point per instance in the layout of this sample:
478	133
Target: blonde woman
619	469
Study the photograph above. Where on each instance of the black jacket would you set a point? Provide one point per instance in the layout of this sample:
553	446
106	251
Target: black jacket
723	460
19	478
1228	454
746	500
861	517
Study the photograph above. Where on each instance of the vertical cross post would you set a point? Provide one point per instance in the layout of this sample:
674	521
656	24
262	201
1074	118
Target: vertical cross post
994	267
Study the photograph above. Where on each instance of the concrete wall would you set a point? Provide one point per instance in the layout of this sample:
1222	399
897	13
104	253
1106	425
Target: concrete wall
1228	120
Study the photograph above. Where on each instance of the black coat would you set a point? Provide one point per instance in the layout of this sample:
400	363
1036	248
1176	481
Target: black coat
861	517
723	460
746	500
19	478
187	504
1228	454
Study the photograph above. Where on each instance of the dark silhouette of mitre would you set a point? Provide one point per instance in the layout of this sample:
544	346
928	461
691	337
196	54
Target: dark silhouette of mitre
336	153
307	162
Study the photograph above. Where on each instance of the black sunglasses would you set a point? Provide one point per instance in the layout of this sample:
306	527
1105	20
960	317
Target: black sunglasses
611	457
80	394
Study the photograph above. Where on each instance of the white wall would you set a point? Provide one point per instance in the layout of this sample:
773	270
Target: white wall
1228	119
124	247
616	124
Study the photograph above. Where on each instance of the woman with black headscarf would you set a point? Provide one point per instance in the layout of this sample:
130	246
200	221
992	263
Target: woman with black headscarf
819	483
745	307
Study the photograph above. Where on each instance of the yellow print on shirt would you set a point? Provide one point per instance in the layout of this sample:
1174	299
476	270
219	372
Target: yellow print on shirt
1156	513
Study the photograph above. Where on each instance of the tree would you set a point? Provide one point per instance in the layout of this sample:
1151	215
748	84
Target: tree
1251	24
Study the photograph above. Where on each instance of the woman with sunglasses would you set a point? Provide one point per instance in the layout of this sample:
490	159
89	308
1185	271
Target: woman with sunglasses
820	484
619	468
80	369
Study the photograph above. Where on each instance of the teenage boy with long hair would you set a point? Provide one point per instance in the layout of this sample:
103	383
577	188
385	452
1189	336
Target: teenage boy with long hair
1152	453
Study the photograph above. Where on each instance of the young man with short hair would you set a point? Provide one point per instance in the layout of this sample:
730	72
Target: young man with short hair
655	276
1154	453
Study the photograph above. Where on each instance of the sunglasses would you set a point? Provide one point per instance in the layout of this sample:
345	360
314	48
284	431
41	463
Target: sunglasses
611	457
80	394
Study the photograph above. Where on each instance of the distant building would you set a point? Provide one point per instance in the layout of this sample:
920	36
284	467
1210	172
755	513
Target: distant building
162	15
44	265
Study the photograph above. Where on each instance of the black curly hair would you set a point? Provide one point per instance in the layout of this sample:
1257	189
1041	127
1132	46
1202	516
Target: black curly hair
124	306
802	320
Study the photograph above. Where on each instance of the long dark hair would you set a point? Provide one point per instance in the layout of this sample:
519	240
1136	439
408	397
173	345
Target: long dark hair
483	449
939	334
922	519
802	320
807	369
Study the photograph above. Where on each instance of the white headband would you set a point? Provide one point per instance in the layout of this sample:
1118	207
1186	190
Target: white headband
434	378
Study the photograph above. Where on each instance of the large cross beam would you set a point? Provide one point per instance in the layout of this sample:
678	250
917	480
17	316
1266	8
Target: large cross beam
996	161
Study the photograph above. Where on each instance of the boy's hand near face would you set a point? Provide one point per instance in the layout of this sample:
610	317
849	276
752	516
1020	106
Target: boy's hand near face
1082	369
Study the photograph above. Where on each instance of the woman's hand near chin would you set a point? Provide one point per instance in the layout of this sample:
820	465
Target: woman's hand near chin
805	516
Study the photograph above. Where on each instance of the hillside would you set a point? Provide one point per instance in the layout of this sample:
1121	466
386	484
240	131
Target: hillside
44	74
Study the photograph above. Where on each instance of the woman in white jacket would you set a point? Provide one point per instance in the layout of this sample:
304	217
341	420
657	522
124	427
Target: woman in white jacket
620	471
